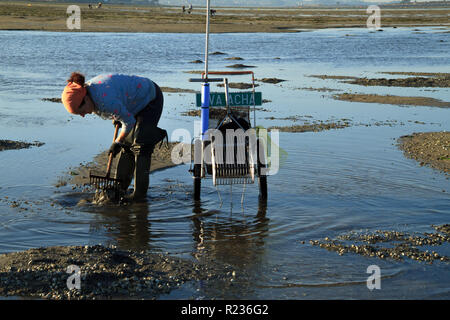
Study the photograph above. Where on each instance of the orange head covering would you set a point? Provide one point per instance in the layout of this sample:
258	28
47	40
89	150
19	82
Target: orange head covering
72	96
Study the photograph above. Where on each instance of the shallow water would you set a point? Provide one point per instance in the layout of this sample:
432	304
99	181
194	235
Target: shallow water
331	182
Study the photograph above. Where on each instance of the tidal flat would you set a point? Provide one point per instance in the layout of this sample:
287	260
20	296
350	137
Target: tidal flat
126	18
351	184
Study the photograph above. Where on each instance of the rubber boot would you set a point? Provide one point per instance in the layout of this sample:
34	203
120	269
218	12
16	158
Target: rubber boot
125	169
141	177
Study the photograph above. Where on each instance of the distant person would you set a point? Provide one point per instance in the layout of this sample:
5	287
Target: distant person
212	12
183	8
90	6
136	104
190	8
99	5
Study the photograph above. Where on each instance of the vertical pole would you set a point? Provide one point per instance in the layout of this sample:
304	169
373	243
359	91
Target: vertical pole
207	39
205	84
205	109
205	92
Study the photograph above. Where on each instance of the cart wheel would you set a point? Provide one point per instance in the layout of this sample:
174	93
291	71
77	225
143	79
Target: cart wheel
197	182
262	178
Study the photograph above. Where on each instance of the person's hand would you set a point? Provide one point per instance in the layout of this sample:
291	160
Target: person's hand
117	122
115	148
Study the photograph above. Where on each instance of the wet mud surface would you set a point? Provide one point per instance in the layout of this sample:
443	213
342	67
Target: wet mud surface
323	89
442	81
24	205
104	273
122	18
234	58
240	66
396	100
238	85
79	176
13	145
426	79
308	124
56	100
316	126
177	90
428	148
390	244
271	80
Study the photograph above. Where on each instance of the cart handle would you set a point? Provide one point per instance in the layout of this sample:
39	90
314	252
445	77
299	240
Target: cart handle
228	72
232	73
208	80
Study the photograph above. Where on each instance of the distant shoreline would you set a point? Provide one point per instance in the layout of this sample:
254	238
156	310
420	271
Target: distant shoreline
148	19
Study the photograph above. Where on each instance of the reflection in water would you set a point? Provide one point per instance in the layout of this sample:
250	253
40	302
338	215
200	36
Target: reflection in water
129	226
235	241
134	229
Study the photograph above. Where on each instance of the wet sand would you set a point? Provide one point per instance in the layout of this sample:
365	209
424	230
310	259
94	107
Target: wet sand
177	90
323	89
396	100
79	176
317	126
238	85
426	79
126	18
12	145
105	273
389	244
417	79
442	81
428	148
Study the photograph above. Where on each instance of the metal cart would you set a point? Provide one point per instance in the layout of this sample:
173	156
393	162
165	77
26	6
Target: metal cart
245	164
232	153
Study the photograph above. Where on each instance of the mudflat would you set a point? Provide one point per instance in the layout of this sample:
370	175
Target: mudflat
389	244
420	79
428	148
396	100
11	144
104	272
161	159
415	80
126	18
